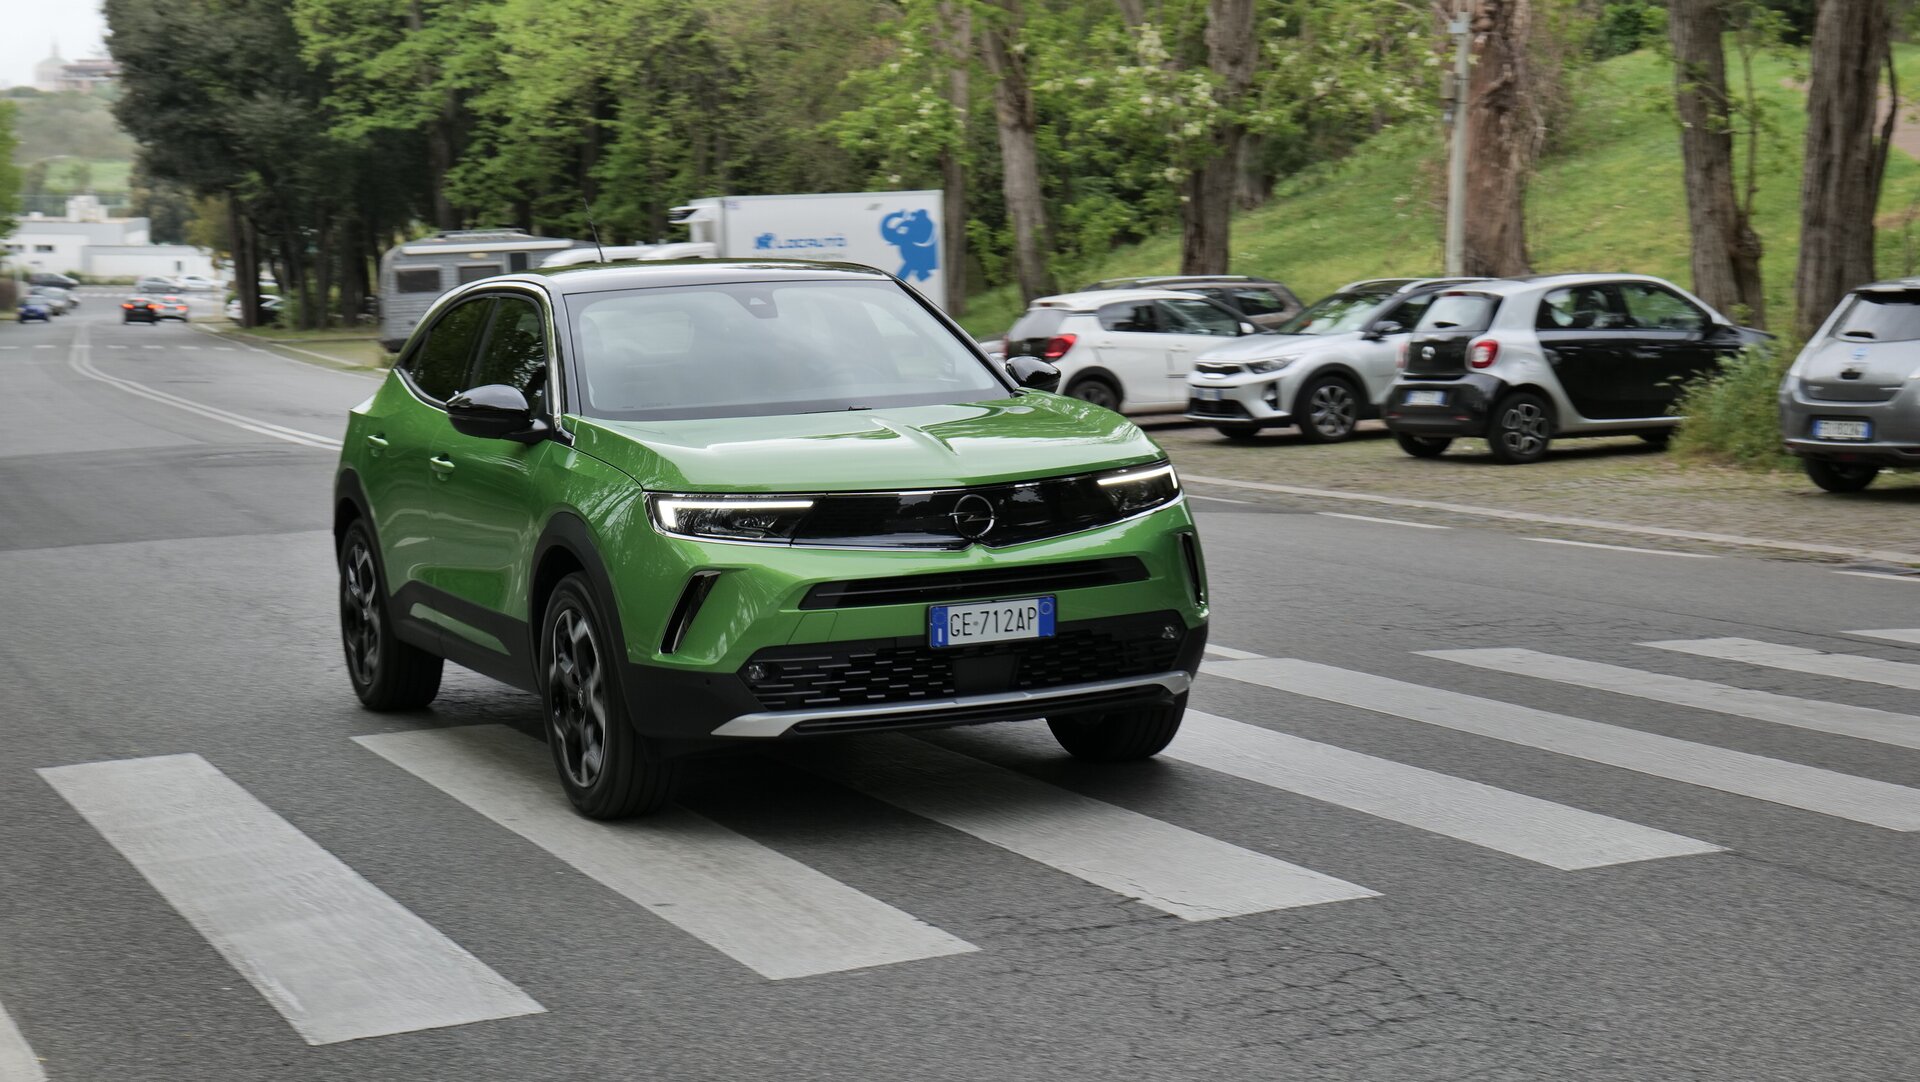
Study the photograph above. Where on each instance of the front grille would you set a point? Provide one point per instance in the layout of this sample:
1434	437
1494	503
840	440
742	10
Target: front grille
1218	368
1225	408
905	670
1025	511
982	583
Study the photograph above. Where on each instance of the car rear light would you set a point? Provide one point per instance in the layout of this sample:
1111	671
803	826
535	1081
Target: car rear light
1483	353
128	307
1057	347
1400	360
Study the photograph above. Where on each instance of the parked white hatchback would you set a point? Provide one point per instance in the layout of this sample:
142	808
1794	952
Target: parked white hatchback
1129	350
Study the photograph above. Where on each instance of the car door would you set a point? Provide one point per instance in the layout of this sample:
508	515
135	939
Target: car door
490	504
1193	326
1674	343
1376	356
404	423
1585	336
1132	345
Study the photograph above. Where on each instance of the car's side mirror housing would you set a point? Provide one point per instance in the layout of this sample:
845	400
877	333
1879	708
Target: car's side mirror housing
496	412
1381	330
1033	373
1248	328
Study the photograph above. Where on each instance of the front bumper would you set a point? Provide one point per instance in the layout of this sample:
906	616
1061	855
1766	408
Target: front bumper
1262	400
1464	411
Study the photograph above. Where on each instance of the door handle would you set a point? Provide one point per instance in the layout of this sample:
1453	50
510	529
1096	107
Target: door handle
1647	354
378	443
441	464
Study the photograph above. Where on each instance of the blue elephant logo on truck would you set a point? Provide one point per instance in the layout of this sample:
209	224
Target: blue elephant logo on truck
912	233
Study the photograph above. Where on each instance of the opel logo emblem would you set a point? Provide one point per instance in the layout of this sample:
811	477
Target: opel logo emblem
972	516
1426	353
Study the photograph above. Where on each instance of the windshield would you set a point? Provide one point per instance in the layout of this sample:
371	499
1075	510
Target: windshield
763	348
1880	316
1338	314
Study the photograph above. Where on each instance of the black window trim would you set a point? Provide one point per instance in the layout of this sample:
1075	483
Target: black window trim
558	391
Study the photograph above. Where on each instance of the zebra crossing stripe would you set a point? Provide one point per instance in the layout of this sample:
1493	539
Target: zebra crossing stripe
769	912
1871	670
1862	800
1859	722
1893	634
1507	822
17	1061
337	957
1170	868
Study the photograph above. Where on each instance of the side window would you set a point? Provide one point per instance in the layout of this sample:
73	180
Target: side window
439	366
1199	317
1409	311
1655	308
417	280
1458	312
1130	316
1256	302
1580	308
516	350
473	272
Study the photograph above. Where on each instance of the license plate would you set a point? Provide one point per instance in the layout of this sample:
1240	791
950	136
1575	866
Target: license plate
1426	398
1209	394
1842	430
990	621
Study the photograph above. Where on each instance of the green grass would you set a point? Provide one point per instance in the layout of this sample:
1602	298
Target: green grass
109	176
1607	197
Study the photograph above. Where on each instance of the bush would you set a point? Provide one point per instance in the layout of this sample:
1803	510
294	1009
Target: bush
1623	28
1733	415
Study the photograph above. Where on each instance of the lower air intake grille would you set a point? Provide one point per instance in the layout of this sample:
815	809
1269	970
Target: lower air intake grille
986	582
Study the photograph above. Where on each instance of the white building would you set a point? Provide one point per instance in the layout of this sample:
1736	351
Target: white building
85	241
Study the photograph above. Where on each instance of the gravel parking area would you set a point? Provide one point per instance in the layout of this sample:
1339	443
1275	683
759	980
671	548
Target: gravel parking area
1618	479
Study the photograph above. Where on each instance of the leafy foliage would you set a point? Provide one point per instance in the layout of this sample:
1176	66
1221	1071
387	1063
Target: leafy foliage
1733	415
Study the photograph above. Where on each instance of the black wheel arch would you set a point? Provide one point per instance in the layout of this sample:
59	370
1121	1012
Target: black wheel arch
567	546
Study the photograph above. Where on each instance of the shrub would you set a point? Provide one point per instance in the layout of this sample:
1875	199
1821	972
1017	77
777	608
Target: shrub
1733	413
1625	27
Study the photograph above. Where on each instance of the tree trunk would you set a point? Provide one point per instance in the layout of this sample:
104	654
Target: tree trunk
1503	136
1845	155
1252	186
956	35
1019	158
1726	250
246	268
1206	205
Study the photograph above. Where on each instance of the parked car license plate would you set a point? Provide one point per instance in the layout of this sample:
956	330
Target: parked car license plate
1209	394
990	621
1426	398
1842	430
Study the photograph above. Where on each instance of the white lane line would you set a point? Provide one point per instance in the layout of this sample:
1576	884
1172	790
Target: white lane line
1231	654
1840	719
1893	634
767	911
1911	579
153	347
337	957
17	1061
78	361
1218	499
1862	800
44	345
1773	655
1621	548
1170	868
1382	521
1513	823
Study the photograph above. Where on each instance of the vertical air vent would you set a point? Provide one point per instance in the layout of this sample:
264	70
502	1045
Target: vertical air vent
1196	572
691	598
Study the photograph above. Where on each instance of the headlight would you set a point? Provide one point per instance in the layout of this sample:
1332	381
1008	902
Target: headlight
728	518
1141	488
1271	364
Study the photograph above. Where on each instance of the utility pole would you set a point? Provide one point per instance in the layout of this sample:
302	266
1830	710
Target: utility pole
1454	114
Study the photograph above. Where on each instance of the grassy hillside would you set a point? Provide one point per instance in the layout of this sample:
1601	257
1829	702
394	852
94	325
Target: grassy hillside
1607	197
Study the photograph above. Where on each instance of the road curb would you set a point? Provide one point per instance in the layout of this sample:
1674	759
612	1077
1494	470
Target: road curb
261	345
1804	548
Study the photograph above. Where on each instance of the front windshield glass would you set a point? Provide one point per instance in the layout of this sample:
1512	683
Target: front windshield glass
1337	314
748	349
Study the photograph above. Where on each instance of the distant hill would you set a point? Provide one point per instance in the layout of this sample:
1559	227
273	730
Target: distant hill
68	143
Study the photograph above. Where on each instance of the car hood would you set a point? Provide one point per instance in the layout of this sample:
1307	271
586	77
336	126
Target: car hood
1253	347
1013	439
1852	370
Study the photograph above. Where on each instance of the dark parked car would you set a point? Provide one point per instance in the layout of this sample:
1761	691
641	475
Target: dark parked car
34	310
1261	301
48	278
139	310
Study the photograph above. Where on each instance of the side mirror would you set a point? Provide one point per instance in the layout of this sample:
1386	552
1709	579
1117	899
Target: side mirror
1248	328
1034	373
496	412
1381	330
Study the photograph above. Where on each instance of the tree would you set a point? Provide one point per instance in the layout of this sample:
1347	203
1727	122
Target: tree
1726	250
1505	130
10	178
1846	154
1013	112
1206	207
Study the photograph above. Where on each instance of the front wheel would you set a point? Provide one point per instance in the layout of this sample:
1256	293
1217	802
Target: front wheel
1121	736
606	769
1840	476
1329	410
1521	429
1422	446
387	674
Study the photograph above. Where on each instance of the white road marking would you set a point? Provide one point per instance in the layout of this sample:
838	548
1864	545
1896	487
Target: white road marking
1523	826
1218	499
116	347
78	361
1911	579
1840	719
1862	800
44	345
1170	868
9	347
153	347
1231	654
1382	521
223	349
761	908
1621	548
17	1061
1893	634
337	957
1773	655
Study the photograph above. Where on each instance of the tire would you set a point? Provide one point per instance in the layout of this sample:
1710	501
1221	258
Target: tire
387	674
1238	432
1122	736
1328	410
1659	437
1840	476
1423	446
1097	390
1520	429
608	771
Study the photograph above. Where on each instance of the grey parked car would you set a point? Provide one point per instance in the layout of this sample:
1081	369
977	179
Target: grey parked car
1850	405
1261	301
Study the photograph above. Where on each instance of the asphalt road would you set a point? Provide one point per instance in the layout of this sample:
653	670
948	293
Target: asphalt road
1550	861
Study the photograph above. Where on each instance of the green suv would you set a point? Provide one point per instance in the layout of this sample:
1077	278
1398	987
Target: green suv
710	504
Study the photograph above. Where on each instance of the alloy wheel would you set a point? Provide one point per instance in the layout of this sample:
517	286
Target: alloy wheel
577	697
1523	429
1332	410
360	620
1098	393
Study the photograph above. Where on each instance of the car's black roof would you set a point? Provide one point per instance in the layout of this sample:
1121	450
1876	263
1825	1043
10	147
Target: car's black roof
601	277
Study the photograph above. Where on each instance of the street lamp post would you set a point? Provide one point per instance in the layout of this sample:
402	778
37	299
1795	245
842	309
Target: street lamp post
1454	90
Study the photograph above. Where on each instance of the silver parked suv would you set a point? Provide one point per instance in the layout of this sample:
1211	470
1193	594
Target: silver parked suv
1850	405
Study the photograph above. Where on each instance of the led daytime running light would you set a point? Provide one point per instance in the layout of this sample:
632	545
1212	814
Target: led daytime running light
669	508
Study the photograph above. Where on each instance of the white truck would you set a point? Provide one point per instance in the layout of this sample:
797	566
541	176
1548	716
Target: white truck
899	232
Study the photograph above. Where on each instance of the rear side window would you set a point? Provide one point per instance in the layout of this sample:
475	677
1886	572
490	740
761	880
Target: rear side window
1130	316
1256	302
1880	317
1037	323
439	366
1458	311
417	280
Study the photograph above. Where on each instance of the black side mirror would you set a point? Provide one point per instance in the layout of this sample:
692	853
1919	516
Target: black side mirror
1034	373
496	412
1381	330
